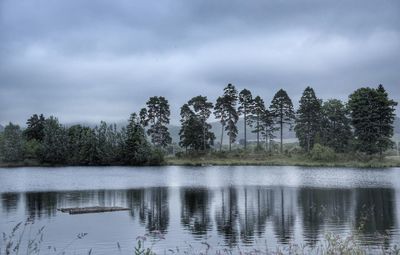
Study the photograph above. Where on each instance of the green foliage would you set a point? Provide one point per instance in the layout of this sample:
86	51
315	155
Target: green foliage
82	146
372	116
308	121
157	116
31	149
225	111
257	111
195	133
11	144
35	127
137	149
54	146
282	112
322	153
335	126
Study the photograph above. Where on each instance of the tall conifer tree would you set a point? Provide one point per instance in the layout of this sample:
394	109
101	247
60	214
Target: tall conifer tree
225	110
308	121
282	112
245	107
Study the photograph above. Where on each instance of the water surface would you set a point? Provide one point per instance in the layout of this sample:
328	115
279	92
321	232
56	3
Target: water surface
243	206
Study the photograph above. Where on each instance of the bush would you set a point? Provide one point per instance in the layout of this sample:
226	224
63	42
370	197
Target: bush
156	157
322	153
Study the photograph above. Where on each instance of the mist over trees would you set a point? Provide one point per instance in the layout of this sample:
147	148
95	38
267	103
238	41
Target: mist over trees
364	125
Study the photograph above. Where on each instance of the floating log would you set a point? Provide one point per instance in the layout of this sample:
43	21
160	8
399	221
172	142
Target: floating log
93	209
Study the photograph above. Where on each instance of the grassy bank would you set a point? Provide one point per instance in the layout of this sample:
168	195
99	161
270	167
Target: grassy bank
248	159
282	160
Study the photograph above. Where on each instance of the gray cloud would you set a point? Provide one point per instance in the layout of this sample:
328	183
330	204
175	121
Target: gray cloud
91	60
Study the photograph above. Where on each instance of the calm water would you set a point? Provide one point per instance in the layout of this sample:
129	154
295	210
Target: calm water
225	206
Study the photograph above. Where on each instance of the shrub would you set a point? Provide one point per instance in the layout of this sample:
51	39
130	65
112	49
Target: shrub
322	153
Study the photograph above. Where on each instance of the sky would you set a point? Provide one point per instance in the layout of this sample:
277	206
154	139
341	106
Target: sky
92	60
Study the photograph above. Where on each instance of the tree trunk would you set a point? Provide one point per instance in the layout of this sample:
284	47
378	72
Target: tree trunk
230	134
281	123
266	142
245	133
204	136
222	136
281	135
258	131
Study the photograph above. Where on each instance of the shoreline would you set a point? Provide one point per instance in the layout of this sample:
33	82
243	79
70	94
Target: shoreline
270	161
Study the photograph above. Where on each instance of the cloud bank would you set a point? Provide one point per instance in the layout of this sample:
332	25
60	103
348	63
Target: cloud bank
87	61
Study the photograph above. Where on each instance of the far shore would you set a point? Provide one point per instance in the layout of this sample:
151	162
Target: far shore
387	162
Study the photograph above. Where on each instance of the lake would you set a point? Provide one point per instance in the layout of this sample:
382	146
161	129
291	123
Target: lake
246	206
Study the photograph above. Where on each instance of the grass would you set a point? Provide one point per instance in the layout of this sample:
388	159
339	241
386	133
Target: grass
21	240
237	159
240	157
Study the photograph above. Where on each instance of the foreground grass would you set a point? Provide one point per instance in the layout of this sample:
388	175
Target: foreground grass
22	240
281	160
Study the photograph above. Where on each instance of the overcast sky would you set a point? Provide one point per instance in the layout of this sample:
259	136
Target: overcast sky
86	60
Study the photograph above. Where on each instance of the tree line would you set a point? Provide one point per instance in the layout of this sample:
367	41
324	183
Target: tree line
49	142
363	124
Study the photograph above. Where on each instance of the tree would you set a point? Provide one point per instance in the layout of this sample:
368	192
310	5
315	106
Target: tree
157	116
372	116
35	127
335	126
225	110
191	134
195	132
257	111
12	144
386	116
245	107
53	148
202	109
82	146
137	149
308	121
267	128
282	112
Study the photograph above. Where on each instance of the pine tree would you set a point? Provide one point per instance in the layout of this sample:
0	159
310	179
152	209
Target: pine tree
191	132
257	111
372	116
335	126
219	112
54	146
35	127
308	121
202	110
267	128
386	112
225	110
137	150
245	107
12	144
82	146
282	112
157	117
